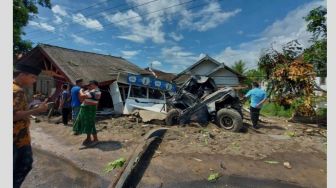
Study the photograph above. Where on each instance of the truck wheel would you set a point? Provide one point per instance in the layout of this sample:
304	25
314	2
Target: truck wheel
172	117
229	119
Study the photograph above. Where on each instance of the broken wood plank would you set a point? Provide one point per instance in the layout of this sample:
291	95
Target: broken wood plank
127	174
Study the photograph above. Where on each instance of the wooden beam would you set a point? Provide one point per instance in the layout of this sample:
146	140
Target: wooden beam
51	67
45	64
67	77
52	73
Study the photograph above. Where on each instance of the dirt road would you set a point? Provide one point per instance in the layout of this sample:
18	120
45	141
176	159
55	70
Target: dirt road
187	155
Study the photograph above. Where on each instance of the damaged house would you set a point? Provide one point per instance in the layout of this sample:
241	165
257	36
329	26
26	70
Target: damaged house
62	65
209	67
124	86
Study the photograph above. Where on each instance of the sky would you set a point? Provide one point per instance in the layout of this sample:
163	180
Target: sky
171	35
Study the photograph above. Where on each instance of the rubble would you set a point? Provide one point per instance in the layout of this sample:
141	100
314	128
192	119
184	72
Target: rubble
149	116
287	165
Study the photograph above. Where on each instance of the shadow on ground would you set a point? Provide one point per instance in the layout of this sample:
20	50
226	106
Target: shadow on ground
271	127
105	146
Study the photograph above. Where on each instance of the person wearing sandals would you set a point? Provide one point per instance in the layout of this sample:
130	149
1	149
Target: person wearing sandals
85	123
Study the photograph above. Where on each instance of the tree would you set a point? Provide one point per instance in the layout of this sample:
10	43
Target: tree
239	66
316	19
23	11
254	75
316	54
290	79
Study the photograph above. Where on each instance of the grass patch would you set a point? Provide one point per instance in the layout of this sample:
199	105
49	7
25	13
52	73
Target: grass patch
272	109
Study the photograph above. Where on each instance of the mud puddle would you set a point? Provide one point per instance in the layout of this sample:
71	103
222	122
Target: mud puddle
52	171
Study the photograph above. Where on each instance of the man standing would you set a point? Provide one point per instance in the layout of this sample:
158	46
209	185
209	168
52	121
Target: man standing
65	105
24	76
258	97
75	101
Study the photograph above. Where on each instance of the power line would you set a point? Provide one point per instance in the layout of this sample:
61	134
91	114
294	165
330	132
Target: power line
93	5
111	8
80	10
122	20
152	12
171	7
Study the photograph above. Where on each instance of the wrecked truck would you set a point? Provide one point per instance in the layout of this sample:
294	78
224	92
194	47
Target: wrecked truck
198	99
133	92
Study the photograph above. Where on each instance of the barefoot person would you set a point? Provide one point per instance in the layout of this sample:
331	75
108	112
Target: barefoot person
24	76
86	120
258	97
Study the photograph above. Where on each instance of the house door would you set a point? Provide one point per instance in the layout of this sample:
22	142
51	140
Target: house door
116	98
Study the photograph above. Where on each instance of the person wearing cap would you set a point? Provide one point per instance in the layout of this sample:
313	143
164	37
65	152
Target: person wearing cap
86	120
75	99
24	76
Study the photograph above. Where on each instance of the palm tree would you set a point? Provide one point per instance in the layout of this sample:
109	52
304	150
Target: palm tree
240	67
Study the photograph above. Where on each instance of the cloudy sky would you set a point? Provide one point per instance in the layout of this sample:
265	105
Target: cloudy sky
173	34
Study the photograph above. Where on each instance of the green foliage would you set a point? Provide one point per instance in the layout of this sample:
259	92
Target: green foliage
317	22
289	78
213	177
23	11
273	109
272	162
252	75
240	67
114	164
290	133
321	112
317	53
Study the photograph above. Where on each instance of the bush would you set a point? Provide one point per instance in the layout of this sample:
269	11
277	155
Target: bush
321	112
272	109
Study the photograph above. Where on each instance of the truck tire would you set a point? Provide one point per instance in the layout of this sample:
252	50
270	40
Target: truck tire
229	119
172	117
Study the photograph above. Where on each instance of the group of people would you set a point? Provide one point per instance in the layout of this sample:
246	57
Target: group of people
81	100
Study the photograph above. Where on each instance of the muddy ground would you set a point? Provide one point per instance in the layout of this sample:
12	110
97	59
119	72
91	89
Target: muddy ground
186	156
